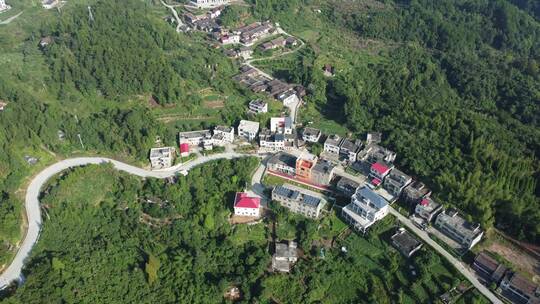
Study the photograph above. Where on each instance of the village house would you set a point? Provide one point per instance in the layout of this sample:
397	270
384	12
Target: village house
229	39
396	181
244	205
223	135
255	31
347	186
209	3
245	52
45	41
415	192
518	290
311	135
284	257
291	41
288	97
184	149
274	44
322	173
328	70
202	138
349	149
373	153
427	209
3	105
248	129
271	141
457	228
192	18
304	164
281	125
161	158
49	4
283	163
258	106
215	12
332	144
373	138
378	172
405	242
299	200
488	269
366	208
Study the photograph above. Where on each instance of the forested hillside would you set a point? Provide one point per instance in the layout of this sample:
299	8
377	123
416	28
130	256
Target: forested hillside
454	86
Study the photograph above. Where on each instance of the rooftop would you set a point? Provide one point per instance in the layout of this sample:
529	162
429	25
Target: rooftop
334	140
348	184
350	146
249	125
380	168
284	159
465	228
311	132
525	286
405	242
323	166
297	194
195	134
224	129
243	200
161	152
368	196
429	204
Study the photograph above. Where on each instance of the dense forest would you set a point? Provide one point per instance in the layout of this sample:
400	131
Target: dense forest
454	86
114	238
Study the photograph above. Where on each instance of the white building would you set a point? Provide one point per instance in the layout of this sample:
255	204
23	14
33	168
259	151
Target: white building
299	200
288	97
311	134
195	138
248	129
223	135
332	144
366	208
271	141
465	233
281	125
161	157
209	3
4	6
229	39
258	106
48	4
244	205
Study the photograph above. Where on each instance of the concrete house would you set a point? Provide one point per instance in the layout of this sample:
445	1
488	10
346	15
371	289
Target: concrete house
405	242
373	153
248	129
4	6
457	228
283	163
3	105
299	200
244	205
323	172
223	135
311	135
288	97
285	256
378	172
365	209
271	141
488	269
305	164
245	52
229	39
332	144
209	3
282	125
258	106
161	158
517	289
428	209
195	138
349	149
347	186
396	181
373	138
415	192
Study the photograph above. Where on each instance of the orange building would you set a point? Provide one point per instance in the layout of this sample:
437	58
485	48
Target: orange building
304	166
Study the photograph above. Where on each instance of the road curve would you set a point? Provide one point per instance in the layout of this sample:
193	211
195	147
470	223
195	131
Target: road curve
33	210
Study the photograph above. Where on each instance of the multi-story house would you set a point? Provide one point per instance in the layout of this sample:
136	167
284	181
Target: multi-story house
299	200
457	228
209	3
405	242
248	129
349	149
195	138
161	157
517	289
428	209
415	192
285	256
373	153
304	165
347	186
258	106
366	208
322	173
282	125
311	135
283	163
223	135
271	141
332	144
396	181
488	269
244	205
288	97
378	172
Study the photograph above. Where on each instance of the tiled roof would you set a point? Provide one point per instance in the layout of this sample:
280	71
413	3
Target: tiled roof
380	168
242	200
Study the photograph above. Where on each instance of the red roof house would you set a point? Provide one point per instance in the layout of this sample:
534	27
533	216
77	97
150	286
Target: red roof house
245	205
379	170
184	149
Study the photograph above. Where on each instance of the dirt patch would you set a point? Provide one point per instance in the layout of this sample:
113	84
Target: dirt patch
214	104
237	219
519	259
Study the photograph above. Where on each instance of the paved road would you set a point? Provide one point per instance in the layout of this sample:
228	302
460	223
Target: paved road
459	266
179	22
32	206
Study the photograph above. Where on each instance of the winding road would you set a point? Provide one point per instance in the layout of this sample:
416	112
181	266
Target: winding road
33	210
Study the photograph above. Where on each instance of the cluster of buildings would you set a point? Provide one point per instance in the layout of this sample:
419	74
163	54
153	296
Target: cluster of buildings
209	3
299	200
259	83
513	286
278	42
207	21
304	167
